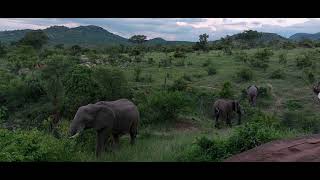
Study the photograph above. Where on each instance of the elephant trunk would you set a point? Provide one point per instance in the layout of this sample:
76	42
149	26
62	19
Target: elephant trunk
75	131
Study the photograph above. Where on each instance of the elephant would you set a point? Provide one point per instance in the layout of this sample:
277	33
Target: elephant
224	108
108	118
252	92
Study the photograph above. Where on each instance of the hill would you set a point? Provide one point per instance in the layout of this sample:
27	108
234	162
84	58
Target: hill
252	39
302	36
82	35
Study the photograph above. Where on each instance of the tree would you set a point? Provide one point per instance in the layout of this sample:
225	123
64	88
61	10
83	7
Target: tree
36	39
52	76
22	57
2	50
203	43
138	39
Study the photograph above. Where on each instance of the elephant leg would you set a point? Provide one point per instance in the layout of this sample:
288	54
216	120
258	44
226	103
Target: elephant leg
229	121
116	141
133	135
254	100
217	118
102	137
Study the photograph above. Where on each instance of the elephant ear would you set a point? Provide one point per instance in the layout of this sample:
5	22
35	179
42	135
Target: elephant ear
105	117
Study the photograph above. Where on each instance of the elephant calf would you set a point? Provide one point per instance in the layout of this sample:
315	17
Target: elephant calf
107	118
252	92
224	108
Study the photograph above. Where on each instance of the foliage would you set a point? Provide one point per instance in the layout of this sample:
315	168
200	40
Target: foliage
226	91
302	121
245	74
139	39
304	61
277	74
211	70
283	58
36	39
206	63
22	57
33	146
137	73
162	106
179	85
79	88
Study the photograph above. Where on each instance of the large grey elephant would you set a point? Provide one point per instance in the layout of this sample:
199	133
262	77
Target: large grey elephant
224	108
108	118
252	92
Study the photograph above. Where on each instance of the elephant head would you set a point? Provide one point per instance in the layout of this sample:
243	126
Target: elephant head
91	116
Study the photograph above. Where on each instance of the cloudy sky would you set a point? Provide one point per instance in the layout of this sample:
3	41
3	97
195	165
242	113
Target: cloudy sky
182	29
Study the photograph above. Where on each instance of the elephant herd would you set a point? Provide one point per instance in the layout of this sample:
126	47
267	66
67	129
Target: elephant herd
116	118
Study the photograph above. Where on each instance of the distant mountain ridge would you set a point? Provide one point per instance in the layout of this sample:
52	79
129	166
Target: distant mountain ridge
302	36
82	35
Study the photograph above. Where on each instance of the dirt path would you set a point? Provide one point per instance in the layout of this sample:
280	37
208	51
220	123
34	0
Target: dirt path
303	149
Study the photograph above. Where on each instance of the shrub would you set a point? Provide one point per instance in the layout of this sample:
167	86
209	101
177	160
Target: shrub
260	128
165	62
180	62
179	85
189	63
309	75
111	82
211	70
277	74
162	106
179	54
301	121
137	73
150	61
304	61
206	63
292	105
242	56
186	77
80	89
34	145
283	58
245	74
226	91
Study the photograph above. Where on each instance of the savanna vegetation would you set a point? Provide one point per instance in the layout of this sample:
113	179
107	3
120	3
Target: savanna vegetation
174	87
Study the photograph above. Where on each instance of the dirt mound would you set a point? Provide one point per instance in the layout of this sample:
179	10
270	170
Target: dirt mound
303	149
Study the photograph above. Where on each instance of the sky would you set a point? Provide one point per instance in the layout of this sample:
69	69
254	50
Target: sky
180	29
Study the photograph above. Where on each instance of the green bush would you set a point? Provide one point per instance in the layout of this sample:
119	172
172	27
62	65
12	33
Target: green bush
242	56
304	61
80	89
179	54
226	91
206	63
180	62
150	61
245	74
292	105
277	74
186	77
137	73
211	70
162	106
179	85
259	129
34	145
283	58
301	121
165	62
